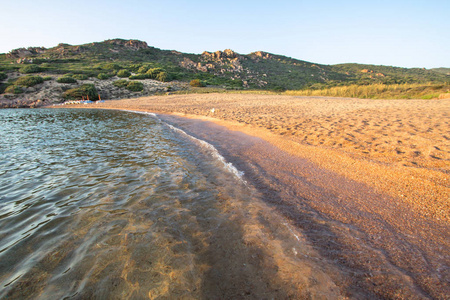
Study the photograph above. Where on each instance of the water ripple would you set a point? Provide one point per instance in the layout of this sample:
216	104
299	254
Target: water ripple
102	204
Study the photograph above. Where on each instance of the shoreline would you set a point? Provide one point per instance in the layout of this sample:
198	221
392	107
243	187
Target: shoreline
425	189
345	206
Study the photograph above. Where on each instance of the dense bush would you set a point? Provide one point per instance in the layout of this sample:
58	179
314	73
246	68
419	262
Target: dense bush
84	91
47	78
28	80
153	73
13	89
111	66
138	76
134	67
29	69
3	87
197	83
123	73
121	83
3	76
80	77
143	69
135	86
66	79
103	76
163	77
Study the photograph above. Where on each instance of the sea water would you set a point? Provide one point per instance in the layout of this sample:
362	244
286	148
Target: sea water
113	204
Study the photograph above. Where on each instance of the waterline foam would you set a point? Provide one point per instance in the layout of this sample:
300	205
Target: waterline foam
205	145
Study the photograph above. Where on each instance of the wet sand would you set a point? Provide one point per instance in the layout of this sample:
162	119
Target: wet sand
364	181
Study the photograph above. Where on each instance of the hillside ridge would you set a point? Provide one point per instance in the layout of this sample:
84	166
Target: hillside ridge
224	69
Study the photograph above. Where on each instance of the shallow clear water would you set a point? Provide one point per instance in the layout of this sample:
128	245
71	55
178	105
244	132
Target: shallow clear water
113	204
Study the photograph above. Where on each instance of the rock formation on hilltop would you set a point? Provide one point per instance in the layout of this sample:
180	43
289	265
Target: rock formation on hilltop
130	44
24	52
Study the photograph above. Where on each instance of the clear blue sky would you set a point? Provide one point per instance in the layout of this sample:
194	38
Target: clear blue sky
387	32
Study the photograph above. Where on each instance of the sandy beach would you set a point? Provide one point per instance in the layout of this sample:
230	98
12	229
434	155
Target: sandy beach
366	181
400	147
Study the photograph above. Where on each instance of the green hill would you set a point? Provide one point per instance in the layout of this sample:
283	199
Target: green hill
445	71
225	69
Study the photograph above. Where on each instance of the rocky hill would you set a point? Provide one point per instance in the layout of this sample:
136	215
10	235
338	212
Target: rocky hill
103	64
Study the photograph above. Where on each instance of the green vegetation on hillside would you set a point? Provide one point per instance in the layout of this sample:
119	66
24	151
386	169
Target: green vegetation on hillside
224	70
27	69
445	71
134	86
197	83
80	77
86	91
123	73
380	91
14	89
29	80
66	79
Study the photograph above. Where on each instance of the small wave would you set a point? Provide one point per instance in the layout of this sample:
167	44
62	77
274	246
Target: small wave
212	150
142	112
214	153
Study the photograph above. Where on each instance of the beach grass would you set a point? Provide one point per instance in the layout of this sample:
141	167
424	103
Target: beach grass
374	91
380	91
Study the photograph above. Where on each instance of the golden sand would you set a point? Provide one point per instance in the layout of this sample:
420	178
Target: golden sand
399	147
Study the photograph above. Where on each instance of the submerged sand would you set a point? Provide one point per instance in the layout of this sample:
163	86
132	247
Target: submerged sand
363	182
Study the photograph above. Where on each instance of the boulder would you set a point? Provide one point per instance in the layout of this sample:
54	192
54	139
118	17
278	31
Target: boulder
24	52
262	54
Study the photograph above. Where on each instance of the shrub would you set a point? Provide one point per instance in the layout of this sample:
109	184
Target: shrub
279	89
123	73
135	86
134	67
153	73
163	77
47	78
29	69
28	80
3	87
13	89
143	69
121	83
66	79
3	76
111	66
197	83
103	76
80	76
86	90
138	76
